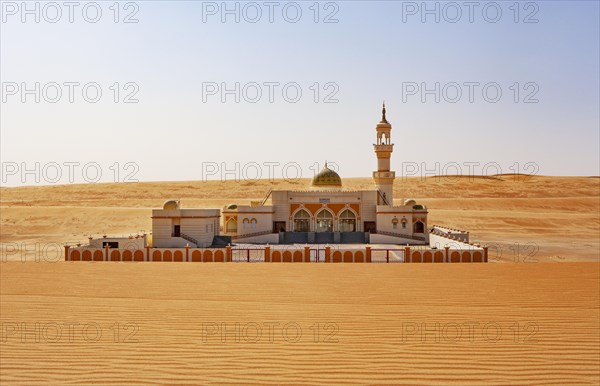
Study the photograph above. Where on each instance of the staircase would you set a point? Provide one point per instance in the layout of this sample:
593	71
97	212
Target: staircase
264	200
384	199
190	239
411	237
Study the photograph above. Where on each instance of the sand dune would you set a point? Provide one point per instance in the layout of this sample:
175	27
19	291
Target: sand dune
483	324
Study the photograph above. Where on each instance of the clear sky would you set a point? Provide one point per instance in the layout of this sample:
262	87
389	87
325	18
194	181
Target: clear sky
180	55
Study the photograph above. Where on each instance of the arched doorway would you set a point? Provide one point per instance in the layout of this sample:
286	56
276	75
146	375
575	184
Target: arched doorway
419	227
324	222
347	222
301	221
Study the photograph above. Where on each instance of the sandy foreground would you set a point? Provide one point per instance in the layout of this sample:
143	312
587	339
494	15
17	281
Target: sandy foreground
413	324
521	218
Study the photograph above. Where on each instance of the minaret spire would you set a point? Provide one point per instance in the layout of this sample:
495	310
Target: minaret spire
383	119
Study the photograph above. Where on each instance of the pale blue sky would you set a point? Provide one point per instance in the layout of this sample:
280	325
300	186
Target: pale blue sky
369	53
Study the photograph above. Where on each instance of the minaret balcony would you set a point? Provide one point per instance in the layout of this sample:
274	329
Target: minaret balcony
384	175
384	148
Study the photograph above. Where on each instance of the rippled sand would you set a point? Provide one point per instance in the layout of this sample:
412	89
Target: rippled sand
412	324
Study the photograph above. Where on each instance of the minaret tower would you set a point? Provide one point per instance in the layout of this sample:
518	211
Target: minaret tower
383	177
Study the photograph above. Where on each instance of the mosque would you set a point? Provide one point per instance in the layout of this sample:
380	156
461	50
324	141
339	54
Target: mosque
324	222
324	212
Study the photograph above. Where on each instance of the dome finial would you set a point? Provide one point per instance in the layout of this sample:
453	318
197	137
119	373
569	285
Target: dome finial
383	118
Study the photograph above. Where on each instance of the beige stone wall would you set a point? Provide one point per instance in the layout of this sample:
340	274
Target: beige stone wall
199	224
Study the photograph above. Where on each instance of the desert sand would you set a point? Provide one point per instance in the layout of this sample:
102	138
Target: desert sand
534	319
412	324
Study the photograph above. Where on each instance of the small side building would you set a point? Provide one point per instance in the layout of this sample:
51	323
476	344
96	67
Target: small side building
174	227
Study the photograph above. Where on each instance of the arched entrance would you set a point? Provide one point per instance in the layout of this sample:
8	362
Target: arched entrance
301	221
347	222
324	221
419	227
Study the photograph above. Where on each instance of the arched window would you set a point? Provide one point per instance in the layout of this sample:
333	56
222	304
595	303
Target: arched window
324	221
301	221
419	227
253	223
347	221
395	223
404	223
245	223
232	226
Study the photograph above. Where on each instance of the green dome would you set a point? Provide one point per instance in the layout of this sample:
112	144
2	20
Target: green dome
327	178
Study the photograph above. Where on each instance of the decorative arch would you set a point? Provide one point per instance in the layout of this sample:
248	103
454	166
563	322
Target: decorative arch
196	256
207	257
178	256
75	255
115	256
427	257
438	257
477	257
297	257
127	255
245	223
336	257
219	256
347	221
98	255
403	222
455	257
138	255
359	257
231	225
86	256
156	256
276	257
324	220
348	257
301	221
167	256
287	257
416	257
466	257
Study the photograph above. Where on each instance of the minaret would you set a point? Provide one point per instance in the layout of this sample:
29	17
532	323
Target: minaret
383	177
